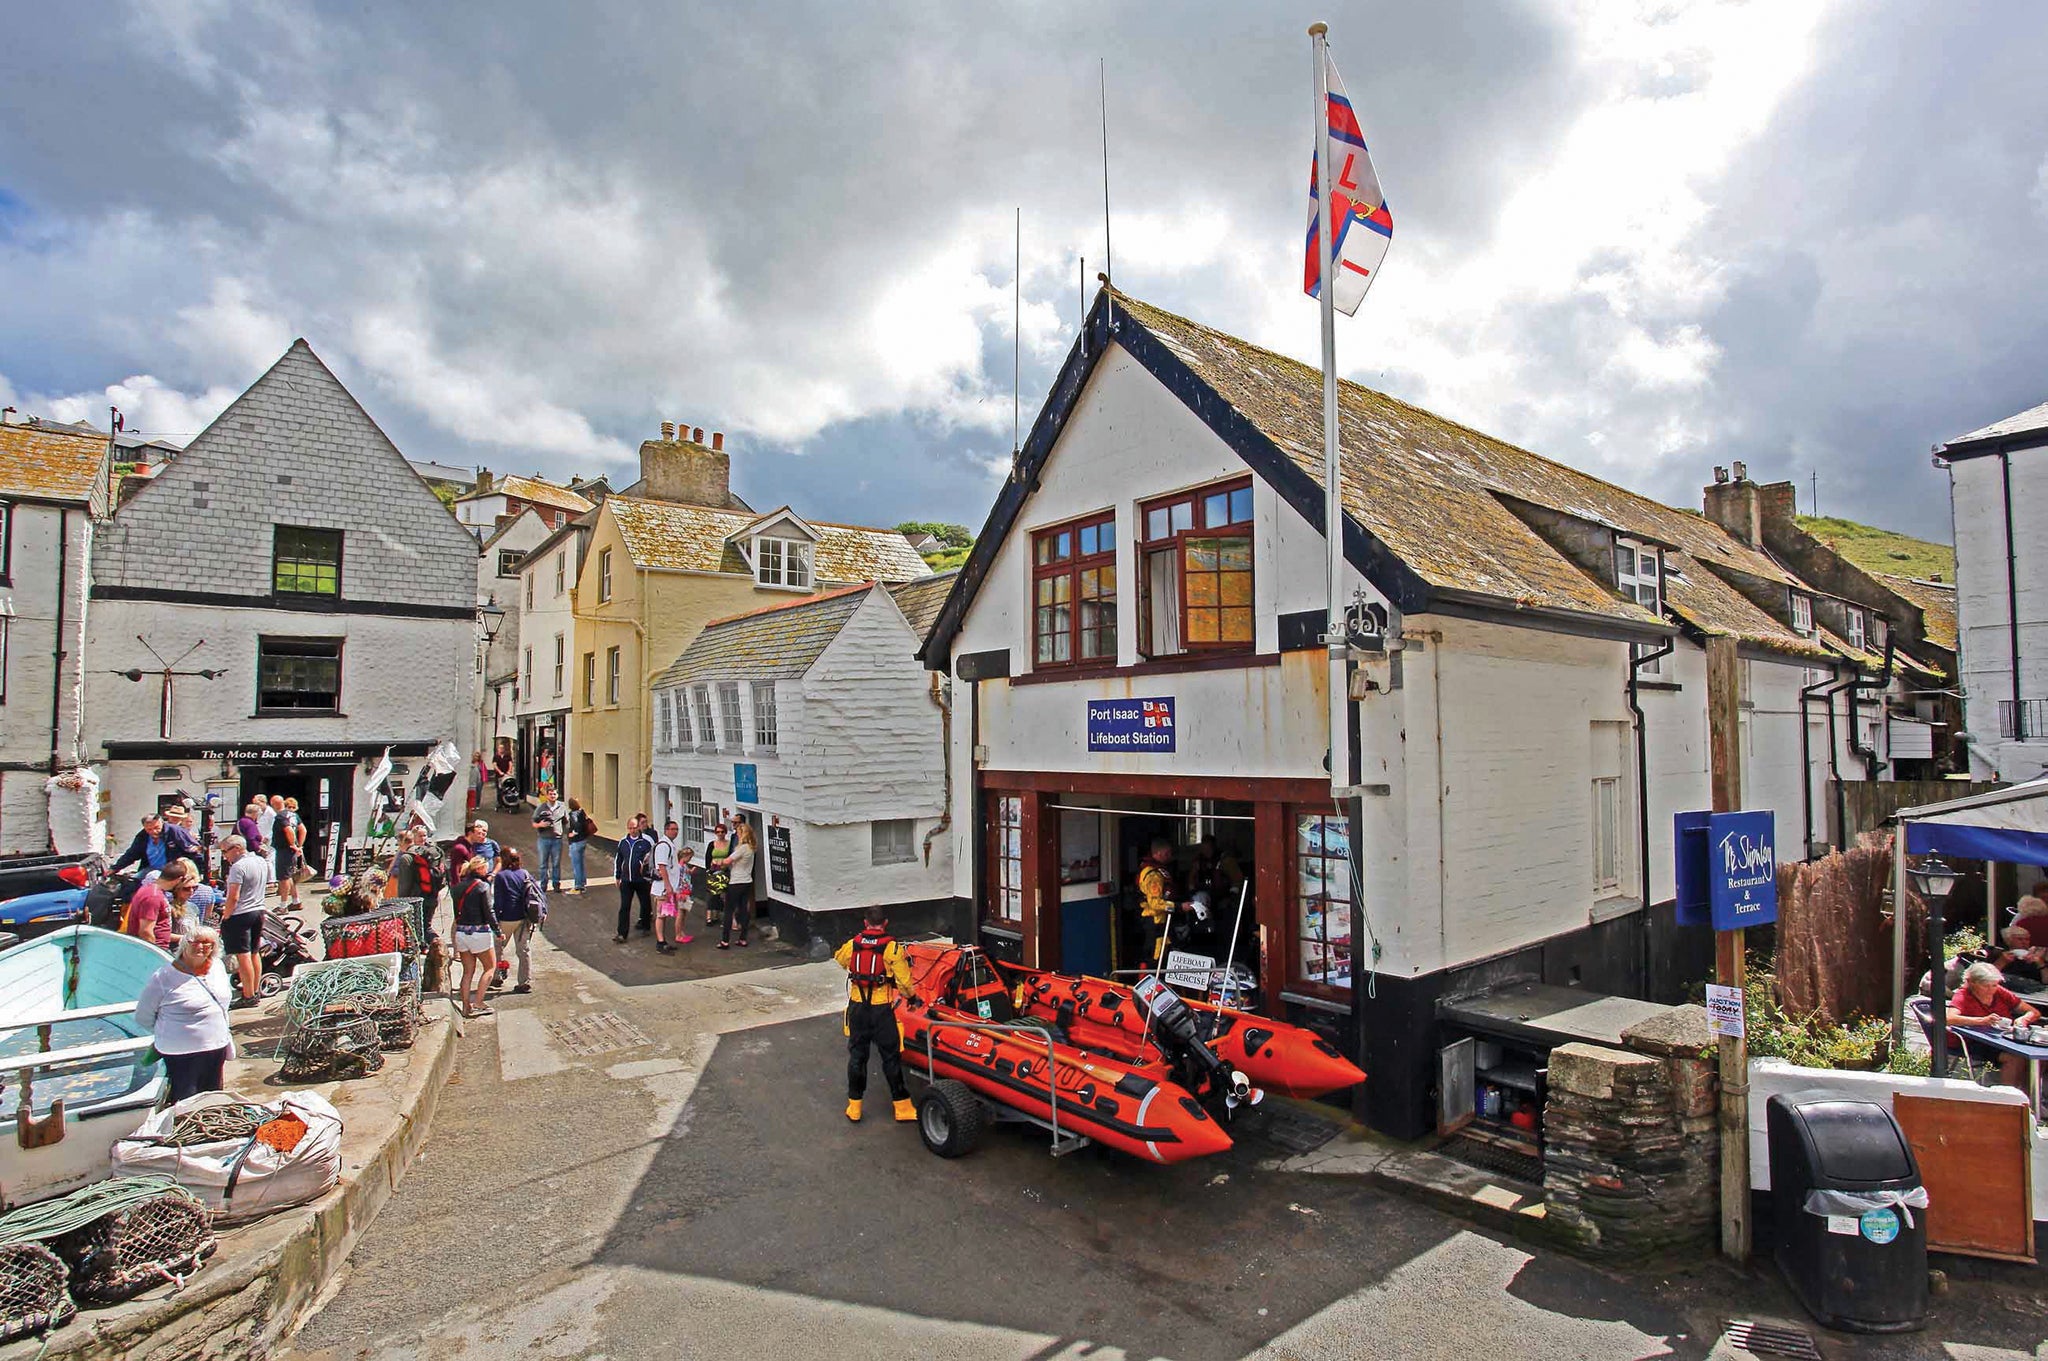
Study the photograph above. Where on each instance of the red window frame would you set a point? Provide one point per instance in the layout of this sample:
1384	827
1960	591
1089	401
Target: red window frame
1004	906
1221	511
1307	867
1065	582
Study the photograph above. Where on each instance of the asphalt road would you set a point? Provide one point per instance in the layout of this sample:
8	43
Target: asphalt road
639	1167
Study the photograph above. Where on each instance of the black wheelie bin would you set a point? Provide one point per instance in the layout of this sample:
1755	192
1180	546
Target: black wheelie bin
1850	1211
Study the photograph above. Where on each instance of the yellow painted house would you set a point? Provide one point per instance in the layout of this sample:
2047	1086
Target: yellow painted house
666	556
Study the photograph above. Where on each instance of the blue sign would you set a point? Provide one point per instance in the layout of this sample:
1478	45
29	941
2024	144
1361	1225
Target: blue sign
1742	869
746	784
1689	837
1130	725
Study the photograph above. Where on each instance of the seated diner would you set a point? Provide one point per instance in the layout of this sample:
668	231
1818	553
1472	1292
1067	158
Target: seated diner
1984	1003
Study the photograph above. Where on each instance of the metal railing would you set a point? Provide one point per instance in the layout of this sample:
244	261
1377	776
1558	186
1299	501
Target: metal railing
2020	720
1052	1090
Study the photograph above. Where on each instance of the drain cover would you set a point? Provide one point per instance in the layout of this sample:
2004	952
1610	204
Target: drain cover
1293	1131
599	1032
1771	1339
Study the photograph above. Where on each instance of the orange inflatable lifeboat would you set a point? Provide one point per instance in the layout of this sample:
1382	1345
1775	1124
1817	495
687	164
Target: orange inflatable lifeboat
1110	1019
1134	1107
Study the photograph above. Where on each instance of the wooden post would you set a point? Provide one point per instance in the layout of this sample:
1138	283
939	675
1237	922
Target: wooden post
1724	739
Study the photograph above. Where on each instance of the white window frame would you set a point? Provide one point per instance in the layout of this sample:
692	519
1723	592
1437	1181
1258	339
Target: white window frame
782	562
6	629
1854	617
892	841
613	667
561	572
526	672
604	575
763	698
509	560
1607	856
1645	587
664	729
707	724
561	660
689	811
1802	614
732	728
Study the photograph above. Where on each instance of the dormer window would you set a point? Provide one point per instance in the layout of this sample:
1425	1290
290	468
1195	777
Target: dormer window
782	562
1802	614
1639	575
1856	633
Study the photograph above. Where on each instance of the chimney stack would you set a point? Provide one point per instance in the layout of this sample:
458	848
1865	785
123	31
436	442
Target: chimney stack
682	470
668	430
717	441
483	479
1736	506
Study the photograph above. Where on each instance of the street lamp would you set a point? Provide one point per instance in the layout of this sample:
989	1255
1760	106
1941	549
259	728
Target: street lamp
494	618
1936	879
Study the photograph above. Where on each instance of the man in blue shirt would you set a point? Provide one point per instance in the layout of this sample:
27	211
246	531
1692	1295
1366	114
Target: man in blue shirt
633	864
157	845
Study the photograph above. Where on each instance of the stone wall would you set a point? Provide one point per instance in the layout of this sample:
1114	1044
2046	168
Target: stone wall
1631	1153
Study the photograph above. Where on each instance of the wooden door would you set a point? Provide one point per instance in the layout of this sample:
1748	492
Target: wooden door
1975	1160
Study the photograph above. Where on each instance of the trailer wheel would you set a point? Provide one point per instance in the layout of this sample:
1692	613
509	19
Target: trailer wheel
950	1118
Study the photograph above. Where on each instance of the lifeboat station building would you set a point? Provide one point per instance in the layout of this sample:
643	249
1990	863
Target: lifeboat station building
1136	643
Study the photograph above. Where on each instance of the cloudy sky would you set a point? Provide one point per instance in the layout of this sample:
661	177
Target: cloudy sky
1642	238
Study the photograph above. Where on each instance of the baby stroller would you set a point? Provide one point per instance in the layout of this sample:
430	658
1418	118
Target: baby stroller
510	797
285	946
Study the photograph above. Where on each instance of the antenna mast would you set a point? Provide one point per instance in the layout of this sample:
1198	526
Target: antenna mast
1017	342
1108	257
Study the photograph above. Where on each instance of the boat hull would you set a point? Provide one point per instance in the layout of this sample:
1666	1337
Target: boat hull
1120	1106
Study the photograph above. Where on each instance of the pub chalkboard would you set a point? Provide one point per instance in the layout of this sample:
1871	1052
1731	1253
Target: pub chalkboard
781	862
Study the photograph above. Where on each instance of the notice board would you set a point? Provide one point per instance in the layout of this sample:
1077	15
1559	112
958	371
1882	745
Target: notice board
1976	1163
781	862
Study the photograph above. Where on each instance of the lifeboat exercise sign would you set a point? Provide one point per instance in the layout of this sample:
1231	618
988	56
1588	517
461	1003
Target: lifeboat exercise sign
1130	724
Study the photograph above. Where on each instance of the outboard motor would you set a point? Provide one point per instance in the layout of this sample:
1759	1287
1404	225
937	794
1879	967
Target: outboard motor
1173	1022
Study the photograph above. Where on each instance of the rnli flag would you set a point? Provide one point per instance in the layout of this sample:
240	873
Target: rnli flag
1359	221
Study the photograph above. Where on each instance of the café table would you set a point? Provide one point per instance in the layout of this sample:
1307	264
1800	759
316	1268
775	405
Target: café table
1974	1037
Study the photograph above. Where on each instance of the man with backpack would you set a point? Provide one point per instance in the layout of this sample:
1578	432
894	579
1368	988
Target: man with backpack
876	975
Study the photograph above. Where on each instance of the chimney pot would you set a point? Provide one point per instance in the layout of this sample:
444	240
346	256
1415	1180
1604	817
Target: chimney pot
697	435
1741	471
1720	473
668	430
718	440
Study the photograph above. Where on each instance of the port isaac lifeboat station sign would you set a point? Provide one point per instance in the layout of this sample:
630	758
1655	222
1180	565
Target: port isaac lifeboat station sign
1130	724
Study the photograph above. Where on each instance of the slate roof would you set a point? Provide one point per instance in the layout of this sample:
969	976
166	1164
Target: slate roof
1937	602
51	462
539	491
776	643
921	600
2031	421
670	534
1428	488
1714	608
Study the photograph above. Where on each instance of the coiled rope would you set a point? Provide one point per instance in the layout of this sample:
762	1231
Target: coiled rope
54	1218
212	1124
314	988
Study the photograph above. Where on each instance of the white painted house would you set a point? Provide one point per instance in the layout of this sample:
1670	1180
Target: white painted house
814	720
1135	646
547	628
508	656
53	490
1998	503
292	553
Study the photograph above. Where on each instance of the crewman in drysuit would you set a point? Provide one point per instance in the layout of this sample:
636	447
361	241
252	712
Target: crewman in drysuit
1155	893
877	973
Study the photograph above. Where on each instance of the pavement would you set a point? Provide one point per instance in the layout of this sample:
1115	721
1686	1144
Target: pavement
628	1165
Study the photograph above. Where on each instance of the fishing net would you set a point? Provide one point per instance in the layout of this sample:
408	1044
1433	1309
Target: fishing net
396	1016
161	1240
391	929
333	1045
34	1297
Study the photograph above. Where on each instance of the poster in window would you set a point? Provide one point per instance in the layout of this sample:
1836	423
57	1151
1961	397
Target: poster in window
1080	847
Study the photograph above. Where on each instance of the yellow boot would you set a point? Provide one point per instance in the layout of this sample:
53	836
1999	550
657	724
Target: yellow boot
905	1110
853	1109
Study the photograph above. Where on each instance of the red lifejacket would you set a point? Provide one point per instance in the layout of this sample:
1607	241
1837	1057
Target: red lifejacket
868	969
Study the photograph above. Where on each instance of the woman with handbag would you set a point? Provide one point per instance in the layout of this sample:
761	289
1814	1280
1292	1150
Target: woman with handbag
738	865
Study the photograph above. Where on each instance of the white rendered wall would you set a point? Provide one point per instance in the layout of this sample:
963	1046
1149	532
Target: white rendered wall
538	626
30	603
1984	617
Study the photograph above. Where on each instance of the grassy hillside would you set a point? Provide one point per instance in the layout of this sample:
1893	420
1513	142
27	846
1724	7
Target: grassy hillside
1880	550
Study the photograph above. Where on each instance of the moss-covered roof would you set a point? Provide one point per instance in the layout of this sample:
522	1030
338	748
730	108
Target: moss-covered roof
775	643
1430	488
1718	610
53	462
675	536
1937	602
921	600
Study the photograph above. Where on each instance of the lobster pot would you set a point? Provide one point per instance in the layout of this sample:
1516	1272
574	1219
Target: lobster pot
396	1016
333	1045
34	1297
159	1241
416	910
391	929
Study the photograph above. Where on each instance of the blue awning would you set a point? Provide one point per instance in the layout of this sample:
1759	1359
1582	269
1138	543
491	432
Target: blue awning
2008	824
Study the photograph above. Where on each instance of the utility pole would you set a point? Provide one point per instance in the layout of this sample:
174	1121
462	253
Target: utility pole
1724	740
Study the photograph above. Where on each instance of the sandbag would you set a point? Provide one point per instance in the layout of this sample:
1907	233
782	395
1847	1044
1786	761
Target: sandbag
239	1179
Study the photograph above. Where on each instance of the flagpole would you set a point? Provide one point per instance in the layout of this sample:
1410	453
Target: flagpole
1333	504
